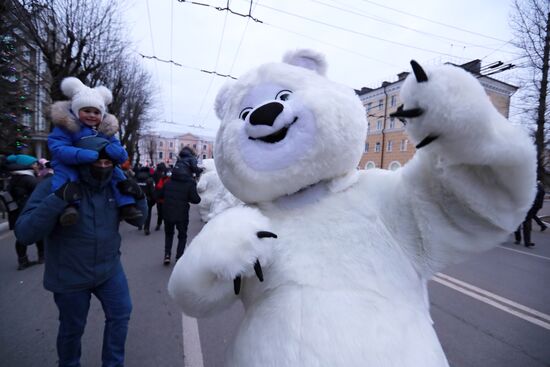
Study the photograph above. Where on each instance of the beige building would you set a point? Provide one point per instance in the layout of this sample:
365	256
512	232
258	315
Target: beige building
164	147
387	145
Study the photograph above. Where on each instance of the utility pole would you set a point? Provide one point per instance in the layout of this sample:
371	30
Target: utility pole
539	133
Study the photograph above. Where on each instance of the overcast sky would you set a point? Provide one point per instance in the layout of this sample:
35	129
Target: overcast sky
365	42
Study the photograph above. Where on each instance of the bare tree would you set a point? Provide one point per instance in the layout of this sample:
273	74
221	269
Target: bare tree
531	25
78	38
132	100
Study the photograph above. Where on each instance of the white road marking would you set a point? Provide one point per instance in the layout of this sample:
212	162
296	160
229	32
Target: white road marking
528	314
524	252
192	351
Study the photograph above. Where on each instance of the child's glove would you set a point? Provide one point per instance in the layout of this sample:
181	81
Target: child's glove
116	152
84	156
130	187
69	192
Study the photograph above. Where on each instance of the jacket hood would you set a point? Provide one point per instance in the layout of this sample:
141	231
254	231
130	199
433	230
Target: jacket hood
61	115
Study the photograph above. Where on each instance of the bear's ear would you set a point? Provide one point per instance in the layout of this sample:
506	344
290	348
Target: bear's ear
307	59
221	99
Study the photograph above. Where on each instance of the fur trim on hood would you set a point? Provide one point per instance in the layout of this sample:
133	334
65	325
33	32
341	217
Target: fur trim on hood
60	113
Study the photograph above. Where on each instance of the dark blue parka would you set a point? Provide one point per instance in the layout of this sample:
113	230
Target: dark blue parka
83	255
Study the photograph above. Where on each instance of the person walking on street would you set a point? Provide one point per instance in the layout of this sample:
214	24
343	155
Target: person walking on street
187	162
23	169
158	189
526	226
147	185
177	193
83	259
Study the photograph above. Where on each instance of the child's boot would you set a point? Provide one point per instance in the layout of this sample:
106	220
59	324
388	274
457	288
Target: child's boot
69	216
129	212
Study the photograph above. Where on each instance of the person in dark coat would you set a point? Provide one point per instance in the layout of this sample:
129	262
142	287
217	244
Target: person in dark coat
526	226
23	169
177	193
83	259
187	163
147	185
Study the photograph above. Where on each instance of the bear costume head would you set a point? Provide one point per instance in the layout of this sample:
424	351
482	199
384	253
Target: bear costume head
284	120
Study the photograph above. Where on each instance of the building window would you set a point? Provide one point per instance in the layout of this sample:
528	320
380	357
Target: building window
394	165
379	125
171	155
160	155
26	54
392	123
204	156
377	147
171	146
403	145
393	100
389	146
204	147
160	144
380	104
27	119
369	106
370	165
366	147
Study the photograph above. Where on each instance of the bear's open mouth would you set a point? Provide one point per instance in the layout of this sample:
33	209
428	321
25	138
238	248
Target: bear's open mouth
277	136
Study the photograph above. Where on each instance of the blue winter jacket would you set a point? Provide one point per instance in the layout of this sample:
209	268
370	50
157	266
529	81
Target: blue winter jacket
83	255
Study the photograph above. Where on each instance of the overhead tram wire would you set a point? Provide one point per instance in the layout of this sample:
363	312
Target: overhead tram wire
385	21
432	21
171	50
215	66
328	25
153	57
238	50
153	43
227	9
353	31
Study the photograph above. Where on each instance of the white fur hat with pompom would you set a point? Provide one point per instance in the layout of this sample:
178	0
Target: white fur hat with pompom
82	96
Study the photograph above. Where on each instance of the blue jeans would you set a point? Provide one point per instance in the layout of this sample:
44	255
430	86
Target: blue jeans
114	296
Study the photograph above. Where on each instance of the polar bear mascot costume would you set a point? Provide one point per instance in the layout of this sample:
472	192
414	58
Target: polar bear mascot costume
215	198
331	263
207	187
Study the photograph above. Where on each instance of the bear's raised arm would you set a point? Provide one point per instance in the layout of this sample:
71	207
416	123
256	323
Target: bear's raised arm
472	179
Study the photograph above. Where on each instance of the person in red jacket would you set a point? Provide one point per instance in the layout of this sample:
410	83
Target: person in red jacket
158	197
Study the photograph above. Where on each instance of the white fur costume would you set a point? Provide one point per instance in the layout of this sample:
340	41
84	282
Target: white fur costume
345	281
214	196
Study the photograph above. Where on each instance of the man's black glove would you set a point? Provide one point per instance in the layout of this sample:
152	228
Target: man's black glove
69	192
130	187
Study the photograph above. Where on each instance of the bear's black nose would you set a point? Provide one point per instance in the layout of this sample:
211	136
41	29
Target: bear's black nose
266	114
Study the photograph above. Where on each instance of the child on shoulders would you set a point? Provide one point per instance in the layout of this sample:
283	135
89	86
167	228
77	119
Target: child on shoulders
80	118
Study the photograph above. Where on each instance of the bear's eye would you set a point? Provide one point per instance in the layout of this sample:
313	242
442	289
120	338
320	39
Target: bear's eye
283	95
245	112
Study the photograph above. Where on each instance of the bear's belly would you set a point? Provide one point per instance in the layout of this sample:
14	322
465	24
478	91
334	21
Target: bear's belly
302	326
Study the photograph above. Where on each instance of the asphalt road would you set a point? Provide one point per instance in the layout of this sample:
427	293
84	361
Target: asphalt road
473	331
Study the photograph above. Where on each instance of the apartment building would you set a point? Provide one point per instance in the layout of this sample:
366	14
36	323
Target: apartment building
156	147
31	71
387	145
